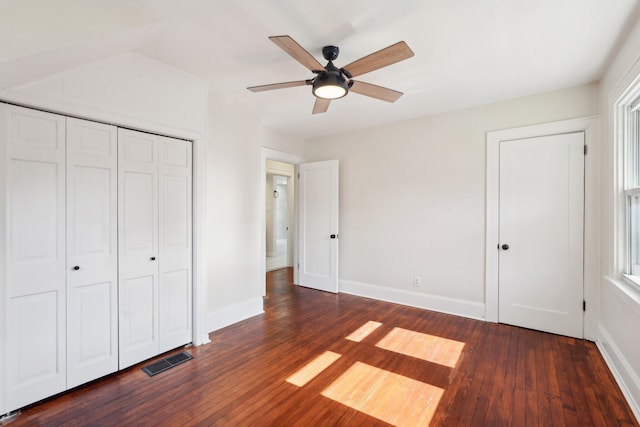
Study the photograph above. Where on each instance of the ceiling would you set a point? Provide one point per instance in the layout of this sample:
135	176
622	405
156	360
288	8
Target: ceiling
467	52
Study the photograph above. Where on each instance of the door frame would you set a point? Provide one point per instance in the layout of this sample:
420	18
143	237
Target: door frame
295	160
590	127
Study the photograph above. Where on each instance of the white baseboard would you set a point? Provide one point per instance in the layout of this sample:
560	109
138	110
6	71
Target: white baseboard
217	319
622	371
470	309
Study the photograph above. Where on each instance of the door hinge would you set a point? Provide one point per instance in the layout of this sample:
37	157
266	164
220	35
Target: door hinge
584	305
298	175
585	150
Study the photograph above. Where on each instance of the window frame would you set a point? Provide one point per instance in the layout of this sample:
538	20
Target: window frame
628	137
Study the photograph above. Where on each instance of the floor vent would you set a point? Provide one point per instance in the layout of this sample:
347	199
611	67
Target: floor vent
167	363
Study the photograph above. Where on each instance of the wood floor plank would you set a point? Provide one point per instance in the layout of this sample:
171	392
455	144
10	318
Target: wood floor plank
501	393
519	373
503	375
551	402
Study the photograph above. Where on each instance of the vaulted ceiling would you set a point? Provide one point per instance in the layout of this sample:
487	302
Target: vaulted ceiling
467	52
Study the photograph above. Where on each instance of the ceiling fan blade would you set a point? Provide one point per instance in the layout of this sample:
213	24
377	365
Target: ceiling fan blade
387	56
262	88
297	52
375	91
321	105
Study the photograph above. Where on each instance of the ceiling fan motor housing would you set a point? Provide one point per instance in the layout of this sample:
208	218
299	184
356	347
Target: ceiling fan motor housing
330	53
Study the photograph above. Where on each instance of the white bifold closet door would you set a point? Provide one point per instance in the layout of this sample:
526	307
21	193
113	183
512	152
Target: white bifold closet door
138	246
92	251
35	278
175	238
154	192
95	257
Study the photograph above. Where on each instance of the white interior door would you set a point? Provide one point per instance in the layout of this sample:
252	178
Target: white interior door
541	213
318	216
138	246
175	243
92	251
35	278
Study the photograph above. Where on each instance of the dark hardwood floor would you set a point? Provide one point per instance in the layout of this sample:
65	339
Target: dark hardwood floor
503	375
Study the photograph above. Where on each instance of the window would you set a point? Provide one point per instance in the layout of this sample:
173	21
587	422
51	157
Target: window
631	137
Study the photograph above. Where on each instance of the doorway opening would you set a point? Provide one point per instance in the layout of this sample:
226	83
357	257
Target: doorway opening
279	210
270	159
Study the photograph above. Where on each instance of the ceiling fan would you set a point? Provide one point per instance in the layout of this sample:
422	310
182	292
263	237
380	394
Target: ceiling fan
332	82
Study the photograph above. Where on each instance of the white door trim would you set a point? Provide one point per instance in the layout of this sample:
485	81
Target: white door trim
591	253
200	333
280	156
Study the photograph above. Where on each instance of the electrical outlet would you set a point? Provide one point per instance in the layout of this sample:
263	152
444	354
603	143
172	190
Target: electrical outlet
417	281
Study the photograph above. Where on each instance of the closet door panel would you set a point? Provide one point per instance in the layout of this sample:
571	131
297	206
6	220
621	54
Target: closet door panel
176	318
34	284
33	212
175	243
139	206
35	360
139	296
92	259
138	246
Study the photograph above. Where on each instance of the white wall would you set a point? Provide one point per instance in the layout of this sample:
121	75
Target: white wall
127	89
235	207
619	304
412	199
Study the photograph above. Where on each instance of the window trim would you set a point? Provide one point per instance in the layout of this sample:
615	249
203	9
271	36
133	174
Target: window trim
630	280
628	182
628	264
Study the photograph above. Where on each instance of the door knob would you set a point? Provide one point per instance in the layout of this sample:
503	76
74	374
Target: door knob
76	267
505	247
333	236
152	258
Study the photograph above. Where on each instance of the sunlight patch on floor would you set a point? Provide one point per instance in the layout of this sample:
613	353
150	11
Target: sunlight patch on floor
392	398
427	347
313	368
363	331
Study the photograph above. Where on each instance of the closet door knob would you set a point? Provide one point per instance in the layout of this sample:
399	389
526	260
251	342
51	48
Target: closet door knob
152	258
76	267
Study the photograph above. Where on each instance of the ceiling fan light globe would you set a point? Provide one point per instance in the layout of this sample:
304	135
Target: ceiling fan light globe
330	92
330	85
